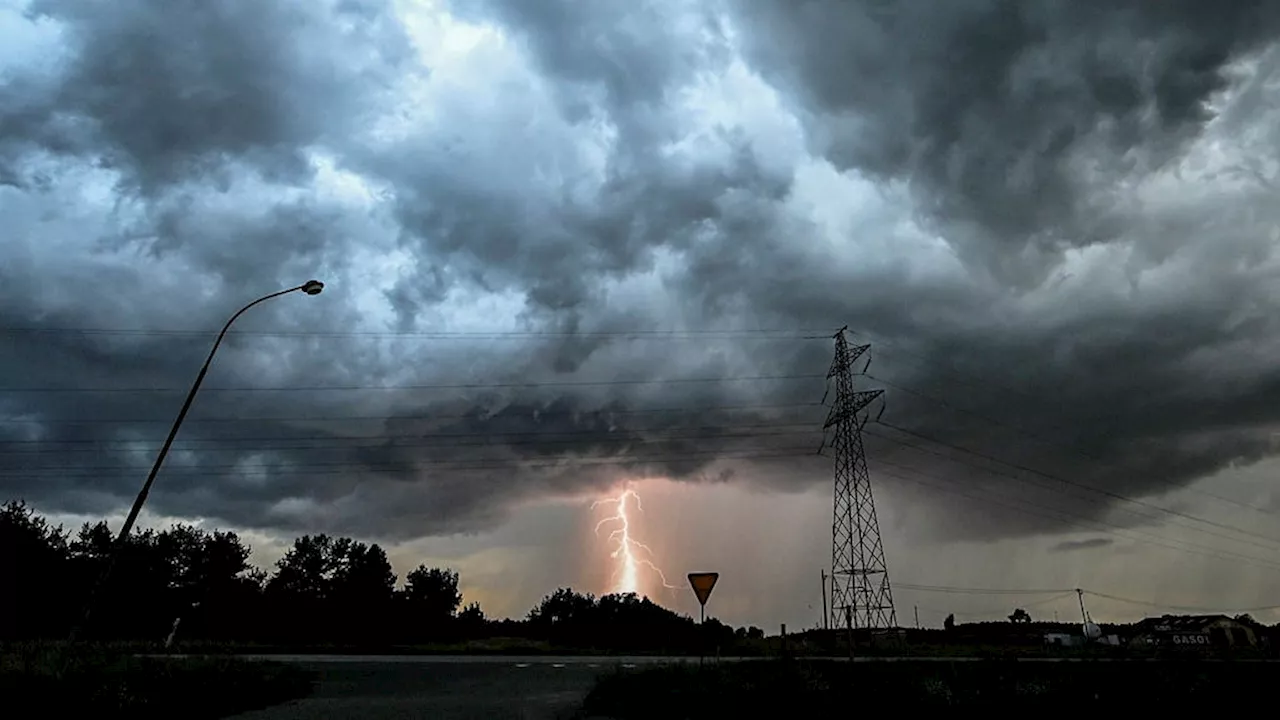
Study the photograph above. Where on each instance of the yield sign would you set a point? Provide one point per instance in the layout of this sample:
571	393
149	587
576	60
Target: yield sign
702	584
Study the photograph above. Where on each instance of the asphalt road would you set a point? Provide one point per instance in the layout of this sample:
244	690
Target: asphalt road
448	687
444	687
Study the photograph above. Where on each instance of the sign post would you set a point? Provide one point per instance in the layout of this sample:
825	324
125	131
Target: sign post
702	584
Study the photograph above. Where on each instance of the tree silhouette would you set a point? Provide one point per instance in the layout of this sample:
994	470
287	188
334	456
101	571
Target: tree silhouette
471	621
324	591
338	582
306	571
209	579
1020	616
621	622
564	606
949	623
428	603
93	542
433	592
33	559
362	575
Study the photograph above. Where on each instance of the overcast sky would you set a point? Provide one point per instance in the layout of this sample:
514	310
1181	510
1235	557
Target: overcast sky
573	247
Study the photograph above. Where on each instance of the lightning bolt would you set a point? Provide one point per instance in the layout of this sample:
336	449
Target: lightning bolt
630	553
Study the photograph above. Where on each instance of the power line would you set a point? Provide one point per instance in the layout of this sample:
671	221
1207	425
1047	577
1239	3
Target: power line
1079	521
494	439
1041	484
1002	610
424	444
1062	594
909	432
389	465
549	412
932	364
1184	608
1089	488
741	334
653	334
991	471
439	386
498	435
981	591
346	467
1053	443
1230	501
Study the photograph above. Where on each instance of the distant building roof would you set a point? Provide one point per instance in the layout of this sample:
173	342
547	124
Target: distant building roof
1182	623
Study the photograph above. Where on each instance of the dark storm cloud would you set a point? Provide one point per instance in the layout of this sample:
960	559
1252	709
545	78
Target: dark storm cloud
1014	126
467	219
1090	544
633	53
184	101
612	66
1009	118
1018	126
170	91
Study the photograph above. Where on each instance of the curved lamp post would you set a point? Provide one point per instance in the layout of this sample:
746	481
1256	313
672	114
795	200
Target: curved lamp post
310	287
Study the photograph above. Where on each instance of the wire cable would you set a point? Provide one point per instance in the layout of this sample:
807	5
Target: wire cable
1183	608
702	334
1089	488
1064	594
1039	438
1079	521
979	591
422	440
433	386
419	416
349	467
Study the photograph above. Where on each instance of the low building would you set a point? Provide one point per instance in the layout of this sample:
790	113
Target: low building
1065	640
1061	639
1194	632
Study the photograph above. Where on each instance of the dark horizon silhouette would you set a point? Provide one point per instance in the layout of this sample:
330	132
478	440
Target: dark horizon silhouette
198	586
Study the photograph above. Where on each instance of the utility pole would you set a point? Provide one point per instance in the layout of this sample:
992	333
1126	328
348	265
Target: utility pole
859	576
916	608
826	619
310	287
848	621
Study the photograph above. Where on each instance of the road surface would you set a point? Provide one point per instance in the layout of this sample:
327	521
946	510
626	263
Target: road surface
375	688
476	686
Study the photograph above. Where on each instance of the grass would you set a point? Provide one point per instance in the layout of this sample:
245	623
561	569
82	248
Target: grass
486	646
105	681
795	688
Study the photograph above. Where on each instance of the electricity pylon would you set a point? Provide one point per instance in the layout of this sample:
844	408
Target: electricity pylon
860	594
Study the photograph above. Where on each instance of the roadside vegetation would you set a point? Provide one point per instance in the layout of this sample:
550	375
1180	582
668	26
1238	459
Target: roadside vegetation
339	595
111	681
327	594
802	688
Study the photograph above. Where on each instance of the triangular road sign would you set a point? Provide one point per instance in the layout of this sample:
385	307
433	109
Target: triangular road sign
702	584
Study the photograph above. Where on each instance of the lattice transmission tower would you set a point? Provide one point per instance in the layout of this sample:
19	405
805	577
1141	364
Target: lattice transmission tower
860	594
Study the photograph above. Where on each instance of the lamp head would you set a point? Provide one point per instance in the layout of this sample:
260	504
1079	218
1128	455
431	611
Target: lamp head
312	287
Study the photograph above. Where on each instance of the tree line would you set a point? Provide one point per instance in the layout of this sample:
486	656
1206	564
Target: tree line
200	586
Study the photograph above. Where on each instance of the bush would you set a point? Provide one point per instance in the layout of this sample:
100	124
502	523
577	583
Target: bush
103	682
800	688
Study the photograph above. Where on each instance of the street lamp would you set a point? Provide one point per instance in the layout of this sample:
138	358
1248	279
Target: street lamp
310	287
